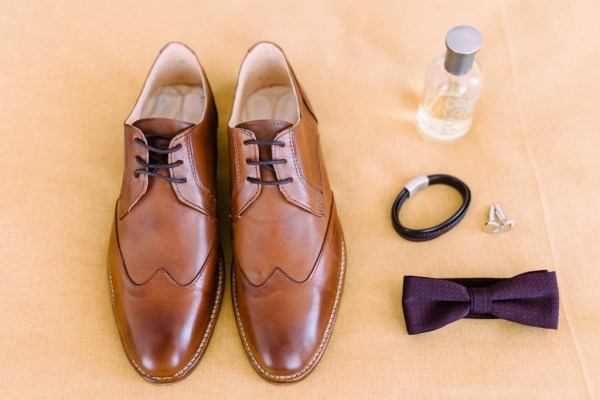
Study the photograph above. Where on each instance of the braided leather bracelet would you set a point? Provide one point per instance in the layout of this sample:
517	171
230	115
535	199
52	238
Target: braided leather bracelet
419	183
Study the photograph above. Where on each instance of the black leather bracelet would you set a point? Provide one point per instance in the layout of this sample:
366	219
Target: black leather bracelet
419	183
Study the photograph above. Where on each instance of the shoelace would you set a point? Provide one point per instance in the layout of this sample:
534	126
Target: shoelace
269	164
158	159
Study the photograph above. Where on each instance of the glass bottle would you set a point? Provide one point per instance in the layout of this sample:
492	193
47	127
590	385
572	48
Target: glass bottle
452	87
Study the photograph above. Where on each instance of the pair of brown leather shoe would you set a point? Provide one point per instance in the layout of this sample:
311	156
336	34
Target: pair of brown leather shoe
165	265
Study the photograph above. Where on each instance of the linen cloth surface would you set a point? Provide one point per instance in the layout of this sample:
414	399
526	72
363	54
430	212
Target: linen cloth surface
70	73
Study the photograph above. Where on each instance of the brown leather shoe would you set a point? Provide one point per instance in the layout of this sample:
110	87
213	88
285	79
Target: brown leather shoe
164	259
288	248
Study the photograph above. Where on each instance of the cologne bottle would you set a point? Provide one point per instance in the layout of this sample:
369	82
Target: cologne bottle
452	87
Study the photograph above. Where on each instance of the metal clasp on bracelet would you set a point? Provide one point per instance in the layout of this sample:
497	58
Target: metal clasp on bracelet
417	184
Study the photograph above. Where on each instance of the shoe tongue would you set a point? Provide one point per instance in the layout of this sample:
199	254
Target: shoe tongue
162	126
265	129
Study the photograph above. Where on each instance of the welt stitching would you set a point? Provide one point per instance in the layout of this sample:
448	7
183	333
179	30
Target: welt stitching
112	292
323	341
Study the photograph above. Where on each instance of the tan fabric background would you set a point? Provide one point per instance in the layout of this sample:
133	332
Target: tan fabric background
70	73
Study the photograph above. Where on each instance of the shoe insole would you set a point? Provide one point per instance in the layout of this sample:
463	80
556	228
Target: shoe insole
181	102
273	102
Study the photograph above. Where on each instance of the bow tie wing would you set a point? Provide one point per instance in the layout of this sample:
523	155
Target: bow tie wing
430	304
529	299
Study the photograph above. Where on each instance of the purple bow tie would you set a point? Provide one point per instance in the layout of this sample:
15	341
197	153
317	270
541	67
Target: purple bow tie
529	299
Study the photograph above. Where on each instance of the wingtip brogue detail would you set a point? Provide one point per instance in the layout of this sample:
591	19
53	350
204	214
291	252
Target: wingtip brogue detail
292	364
165	359
289	252
164	264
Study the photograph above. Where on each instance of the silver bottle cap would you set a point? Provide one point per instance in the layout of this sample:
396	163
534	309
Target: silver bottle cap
462	43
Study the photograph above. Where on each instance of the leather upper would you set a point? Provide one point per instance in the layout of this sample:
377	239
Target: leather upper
288	247
164	258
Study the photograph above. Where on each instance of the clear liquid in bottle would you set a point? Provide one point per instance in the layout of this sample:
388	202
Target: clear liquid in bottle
452	88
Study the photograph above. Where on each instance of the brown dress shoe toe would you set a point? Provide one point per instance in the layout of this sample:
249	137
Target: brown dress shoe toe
164	260
289	256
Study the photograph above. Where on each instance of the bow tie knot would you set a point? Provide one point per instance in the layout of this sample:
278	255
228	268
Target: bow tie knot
481	301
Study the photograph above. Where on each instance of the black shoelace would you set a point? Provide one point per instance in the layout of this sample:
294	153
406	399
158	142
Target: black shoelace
269	164
157	156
